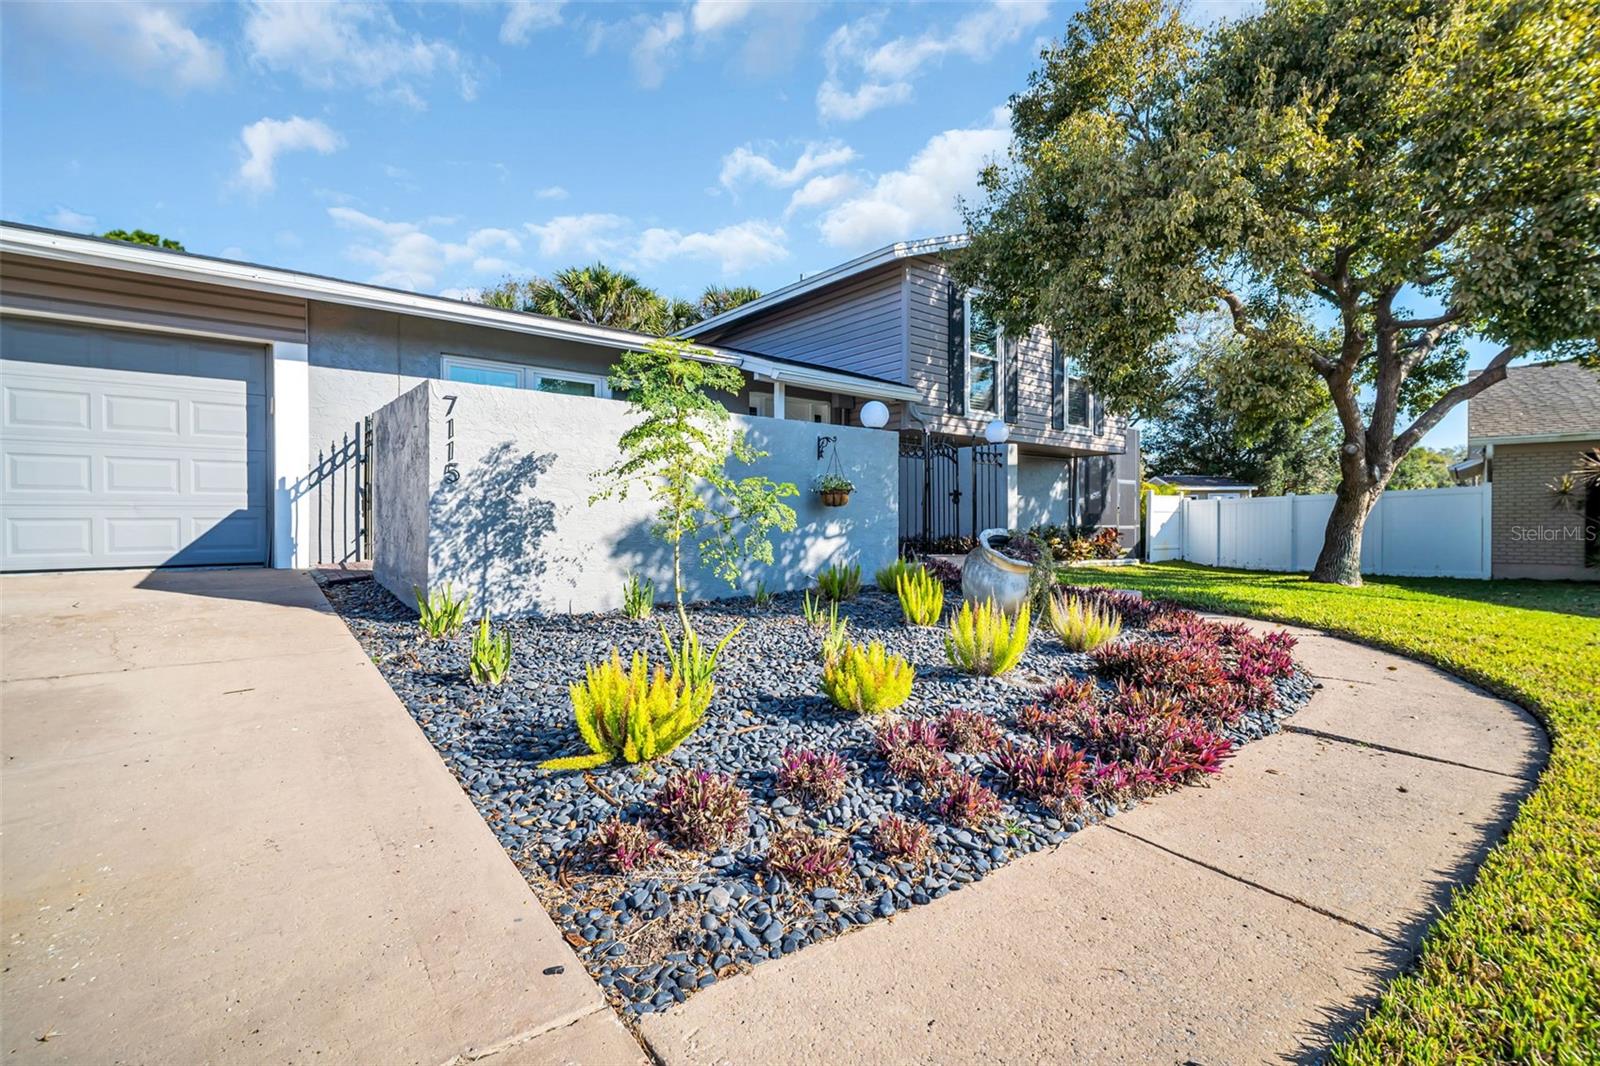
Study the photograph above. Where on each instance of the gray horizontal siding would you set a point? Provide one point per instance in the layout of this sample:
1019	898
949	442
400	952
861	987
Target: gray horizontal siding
120	296
856	327
928	370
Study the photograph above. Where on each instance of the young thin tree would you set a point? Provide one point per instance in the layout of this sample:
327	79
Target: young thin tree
1360	186
678	453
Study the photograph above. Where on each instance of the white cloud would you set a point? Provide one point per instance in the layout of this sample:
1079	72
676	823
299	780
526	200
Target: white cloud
920	200
820	190
550	192
524	18
151	41
68	219
714	16
579	235
886	71
656	49
733	248
360	45
268	138
404	255
744	163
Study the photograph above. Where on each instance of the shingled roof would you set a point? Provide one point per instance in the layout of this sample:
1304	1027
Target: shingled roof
1542	399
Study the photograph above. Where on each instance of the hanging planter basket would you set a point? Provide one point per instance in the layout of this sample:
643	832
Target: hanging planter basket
835	497
832	485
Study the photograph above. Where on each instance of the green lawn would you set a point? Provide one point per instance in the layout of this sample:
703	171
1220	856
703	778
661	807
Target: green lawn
1512	971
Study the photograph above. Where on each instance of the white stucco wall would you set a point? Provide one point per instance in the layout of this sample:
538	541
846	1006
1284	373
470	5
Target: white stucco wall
400	492
517	528
1044	491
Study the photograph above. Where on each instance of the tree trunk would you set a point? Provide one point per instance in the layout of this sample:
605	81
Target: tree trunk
1340	560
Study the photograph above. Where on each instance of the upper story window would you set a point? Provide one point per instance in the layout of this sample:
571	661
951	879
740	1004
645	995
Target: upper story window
521	376
1079	402
984	352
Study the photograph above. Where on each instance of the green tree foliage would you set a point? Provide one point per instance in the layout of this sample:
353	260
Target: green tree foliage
1424	468
1361	185
139	236
601	296
678	453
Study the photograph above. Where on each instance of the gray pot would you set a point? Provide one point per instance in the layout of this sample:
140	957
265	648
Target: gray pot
988	575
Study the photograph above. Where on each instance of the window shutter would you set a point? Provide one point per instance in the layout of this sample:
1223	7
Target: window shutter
1011	353
957	340
1058	387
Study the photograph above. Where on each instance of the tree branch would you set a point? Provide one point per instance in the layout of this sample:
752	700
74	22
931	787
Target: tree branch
1494	372
1452	315
1245	328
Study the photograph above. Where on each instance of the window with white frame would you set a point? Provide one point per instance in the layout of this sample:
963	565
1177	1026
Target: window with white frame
509	375
1079	403
984	351
795	408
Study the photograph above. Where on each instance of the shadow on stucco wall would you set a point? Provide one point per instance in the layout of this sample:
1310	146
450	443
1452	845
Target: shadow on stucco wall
490	529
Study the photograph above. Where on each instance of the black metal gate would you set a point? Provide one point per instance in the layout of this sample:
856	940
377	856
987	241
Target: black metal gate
930	491
341	484
988	487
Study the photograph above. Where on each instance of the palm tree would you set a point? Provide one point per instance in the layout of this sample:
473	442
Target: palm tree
597	295
719	298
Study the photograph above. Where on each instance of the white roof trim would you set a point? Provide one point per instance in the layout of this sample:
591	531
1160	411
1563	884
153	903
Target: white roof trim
183	266
859	265
1536	438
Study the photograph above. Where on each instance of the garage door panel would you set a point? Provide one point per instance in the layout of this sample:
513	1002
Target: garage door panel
148	451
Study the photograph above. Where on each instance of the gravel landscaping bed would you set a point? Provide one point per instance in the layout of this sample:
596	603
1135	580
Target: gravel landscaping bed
652	938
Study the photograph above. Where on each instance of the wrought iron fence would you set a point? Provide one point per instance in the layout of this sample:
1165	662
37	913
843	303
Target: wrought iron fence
988	487
341	485
930	490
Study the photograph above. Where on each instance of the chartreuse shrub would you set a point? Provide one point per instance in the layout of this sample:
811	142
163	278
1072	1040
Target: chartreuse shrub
867	680
632	715
1082	626
1507	973
490	660
840	581
439	613
983	640
888	578
921	598
703	810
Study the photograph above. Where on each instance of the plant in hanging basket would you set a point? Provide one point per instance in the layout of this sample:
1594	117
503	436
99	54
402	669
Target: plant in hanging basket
835	489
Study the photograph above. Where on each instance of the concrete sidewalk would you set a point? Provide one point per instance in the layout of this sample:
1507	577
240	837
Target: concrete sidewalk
1252	921
224	840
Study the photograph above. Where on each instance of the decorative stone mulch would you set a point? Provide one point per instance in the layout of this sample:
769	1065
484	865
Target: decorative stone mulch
651	939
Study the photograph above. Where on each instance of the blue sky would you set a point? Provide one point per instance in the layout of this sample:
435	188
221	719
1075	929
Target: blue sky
441	146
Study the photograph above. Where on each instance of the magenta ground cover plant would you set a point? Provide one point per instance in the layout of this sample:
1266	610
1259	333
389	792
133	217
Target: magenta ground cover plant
703	810
903	839
968	731
1053	774
623	846
966	802
817	777
808	860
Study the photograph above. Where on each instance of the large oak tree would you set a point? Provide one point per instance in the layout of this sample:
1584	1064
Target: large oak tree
1361	186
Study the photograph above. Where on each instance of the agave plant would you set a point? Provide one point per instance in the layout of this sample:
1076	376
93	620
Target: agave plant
632	715
840	581
983	640
490	660
888	578
439	613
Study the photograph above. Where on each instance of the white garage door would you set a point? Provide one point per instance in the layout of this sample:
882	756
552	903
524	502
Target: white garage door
130	449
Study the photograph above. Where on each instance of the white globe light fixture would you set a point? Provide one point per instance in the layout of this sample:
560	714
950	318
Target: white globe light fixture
996	432
874	415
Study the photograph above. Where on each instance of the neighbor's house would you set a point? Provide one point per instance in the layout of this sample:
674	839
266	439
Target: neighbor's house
1206	487
896	314
1523	435
162	408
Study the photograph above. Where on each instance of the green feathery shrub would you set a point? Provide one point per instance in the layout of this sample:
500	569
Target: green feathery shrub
1081	625
982	640
888	578
834	635
638	597
867	680
921	597
840	582
490	661
439	613
632	714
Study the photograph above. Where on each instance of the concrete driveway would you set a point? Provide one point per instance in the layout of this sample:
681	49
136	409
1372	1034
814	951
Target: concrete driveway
224	840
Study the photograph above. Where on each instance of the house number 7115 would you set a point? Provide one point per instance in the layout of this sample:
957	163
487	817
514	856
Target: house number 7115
452	471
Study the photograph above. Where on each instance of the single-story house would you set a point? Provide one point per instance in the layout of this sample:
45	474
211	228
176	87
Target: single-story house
163	408
1524	435
1206	487
896	314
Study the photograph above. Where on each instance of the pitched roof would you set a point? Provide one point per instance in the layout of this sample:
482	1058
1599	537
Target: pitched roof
19	239
823	279
1538	400
1200	481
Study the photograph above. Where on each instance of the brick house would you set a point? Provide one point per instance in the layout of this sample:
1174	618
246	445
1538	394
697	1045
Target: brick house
1523	435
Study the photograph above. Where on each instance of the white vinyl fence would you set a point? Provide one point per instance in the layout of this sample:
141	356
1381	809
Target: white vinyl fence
1418	533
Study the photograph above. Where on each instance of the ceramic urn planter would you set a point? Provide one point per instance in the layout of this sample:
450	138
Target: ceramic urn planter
986	574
